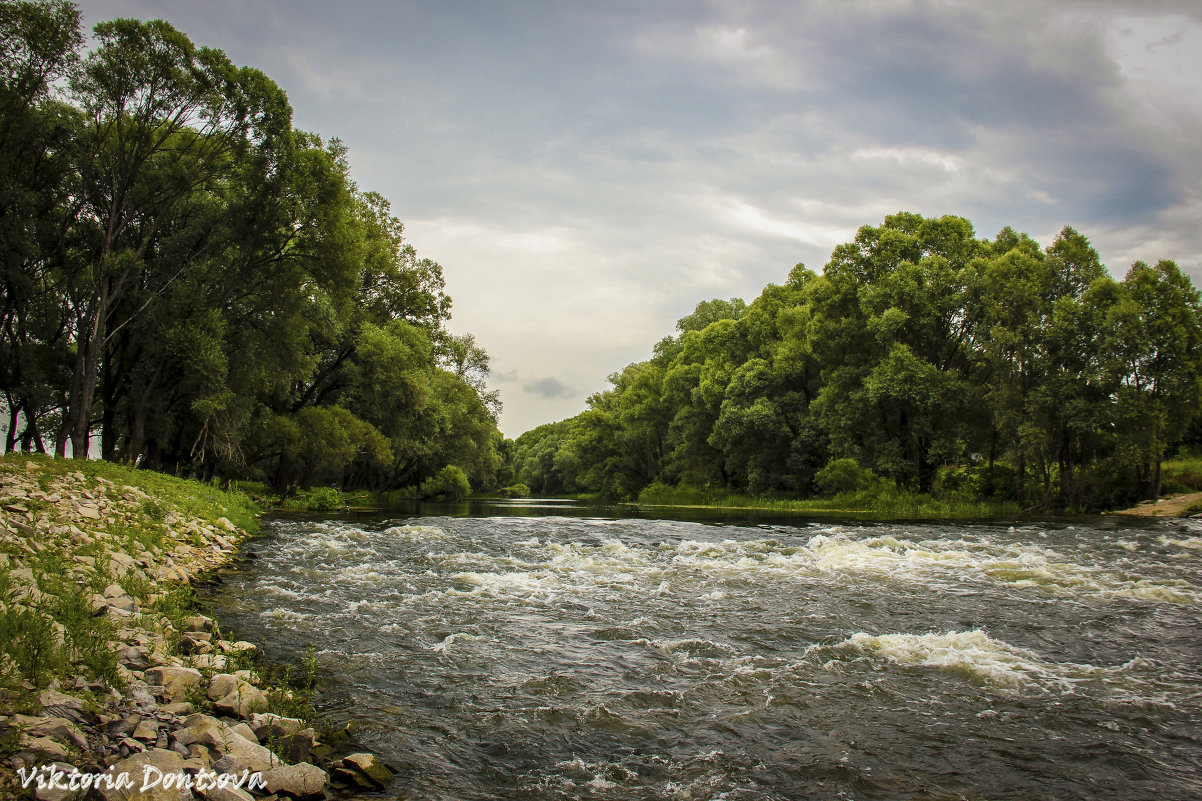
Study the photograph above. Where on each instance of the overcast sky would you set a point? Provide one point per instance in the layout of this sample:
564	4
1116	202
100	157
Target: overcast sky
586	172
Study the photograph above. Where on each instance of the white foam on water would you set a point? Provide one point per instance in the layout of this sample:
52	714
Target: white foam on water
982	659
1030	566
712	569
286	615
1193	543
415	533
690	648
524	584
451	639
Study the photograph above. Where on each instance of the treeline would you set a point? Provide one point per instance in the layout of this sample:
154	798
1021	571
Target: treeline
200	287
924	359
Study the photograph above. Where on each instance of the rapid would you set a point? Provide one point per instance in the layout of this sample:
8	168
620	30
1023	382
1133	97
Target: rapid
556	652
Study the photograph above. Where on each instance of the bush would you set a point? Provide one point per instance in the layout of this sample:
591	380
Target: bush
518	490
449	483
325	499
398	497
842	476
977	482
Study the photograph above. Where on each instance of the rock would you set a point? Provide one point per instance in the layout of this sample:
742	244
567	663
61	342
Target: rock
176	681
200	753
245	731
241	754
221	685
226	524
203	730
59	729
45	748
236	697
344	778
114	601
229	793
134	657
243	702
146	731
240	647
269	725
122	726
209	661
369	766
144	769
89	511
296	747
131	746
61	705
121	563
302	781
51	792
180	708
194	645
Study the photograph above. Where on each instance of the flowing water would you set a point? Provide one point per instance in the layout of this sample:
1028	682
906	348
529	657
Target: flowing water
499	656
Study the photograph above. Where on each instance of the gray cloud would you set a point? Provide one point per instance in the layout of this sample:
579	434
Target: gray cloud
550	387
503	376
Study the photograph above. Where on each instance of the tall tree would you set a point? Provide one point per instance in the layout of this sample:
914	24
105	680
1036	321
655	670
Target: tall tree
163	121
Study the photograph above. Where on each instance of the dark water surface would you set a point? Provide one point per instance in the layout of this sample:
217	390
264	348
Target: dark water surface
534	654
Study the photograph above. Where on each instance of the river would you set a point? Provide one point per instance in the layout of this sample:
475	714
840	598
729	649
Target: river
563	652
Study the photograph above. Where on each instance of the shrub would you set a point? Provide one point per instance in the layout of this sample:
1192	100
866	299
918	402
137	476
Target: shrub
325	499
843	475
518	490
449	483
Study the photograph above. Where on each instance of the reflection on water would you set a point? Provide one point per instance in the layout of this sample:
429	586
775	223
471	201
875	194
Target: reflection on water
552	652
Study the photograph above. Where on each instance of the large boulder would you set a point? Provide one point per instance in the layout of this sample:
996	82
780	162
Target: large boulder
61	705
239	754
369	766
236	697
176	681
60	729
158	770
268	725
302	781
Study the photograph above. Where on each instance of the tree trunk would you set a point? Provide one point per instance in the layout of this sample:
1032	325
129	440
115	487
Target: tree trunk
137	428
87	373
1020	479
11	439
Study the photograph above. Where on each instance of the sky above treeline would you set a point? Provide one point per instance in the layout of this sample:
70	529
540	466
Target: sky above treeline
587	172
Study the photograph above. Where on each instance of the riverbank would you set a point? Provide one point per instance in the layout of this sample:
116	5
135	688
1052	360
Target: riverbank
107	668
1183	505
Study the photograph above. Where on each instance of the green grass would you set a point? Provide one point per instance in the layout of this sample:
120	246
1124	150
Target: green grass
57	636
181	495
1186	471
890	505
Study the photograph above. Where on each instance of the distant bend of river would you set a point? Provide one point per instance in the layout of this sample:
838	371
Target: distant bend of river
511	655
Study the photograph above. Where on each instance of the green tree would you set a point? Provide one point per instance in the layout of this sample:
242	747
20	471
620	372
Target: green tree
162	121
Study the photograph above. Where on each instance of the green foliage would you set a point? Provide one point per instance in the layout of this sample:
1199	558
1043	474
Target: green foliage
880	501
45	640
977	482
951	368
291	695
450	483
208	282
318	499
843	476
1186	471
515	491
